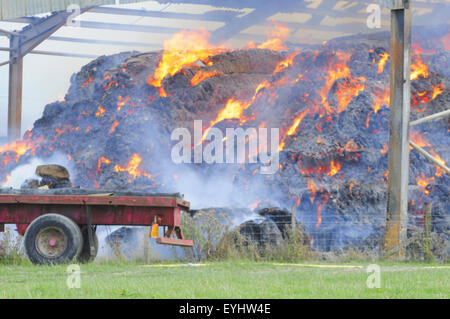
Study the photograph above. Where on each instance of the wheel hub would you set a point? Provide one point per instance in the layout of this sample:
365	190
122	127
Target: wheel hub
51	242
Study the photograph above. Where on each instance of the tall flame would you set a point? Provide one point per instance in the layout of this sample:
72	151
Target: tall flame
183	49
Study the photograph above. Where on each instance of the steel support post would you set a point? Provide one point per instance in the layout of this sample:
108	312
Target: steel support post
398	159
20	44
15	96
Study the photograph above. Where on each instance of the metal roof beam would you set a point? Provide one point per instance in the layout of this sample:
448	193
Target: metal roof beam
40	52
104	42
222	16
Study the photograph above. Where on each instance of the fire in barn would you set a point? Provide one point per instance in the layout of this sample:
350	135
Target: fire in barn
329	104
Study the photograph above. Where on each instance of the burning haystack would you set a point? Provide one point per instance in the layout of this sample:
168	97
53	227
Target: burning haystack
330	103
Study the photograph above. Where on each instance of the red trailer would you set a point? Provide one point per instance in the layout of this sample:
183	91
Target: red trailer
59	228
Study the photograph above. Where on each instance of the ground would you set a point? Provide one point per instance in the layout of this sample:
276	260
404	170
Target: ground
226	280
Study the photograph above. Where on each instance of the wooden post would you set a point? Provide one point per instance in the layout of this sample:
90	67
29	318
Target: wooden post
398	159
146	244
427	234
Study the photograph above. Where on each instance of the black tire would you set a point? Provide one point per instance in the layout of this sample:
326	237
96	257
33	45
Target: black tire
52	239
85	255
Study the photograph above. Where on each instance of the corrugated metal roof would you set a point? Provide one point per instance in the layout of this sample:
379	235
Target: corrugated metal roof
10	9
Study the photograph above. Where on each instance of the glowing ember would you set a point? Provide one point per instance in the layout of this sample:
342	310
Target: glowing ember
385	149
100	111
319	216
86	83
122	102
102	160
351	146
113	127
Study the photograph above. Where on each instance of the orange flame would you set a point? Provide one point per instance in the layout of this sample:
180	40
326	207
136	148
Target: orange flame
384	150
203	75
183	49
383	59
132	167
312	188
423	182
254	205
19	148
335	167
347	90
287	62
418	68
276	38
421	141
381	98
437	90
8	178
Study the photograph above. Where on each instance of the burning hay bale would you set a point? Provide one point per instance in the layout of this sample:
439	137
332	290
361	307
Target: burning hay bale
53	176
330	104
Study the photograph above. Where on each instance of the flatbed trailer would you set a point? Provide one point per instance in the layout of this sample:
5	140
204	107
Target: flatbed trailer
58	228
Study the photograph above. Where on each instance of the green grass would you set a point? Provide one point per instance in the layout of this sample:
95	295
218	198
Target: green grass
225	280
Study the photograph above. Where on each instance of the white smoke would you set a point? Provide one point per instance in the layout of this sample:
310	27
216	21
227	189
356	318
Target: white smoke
27	171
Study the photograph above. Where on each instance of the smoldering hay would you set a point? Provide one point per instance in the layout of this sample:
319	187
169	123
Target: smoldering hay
329	102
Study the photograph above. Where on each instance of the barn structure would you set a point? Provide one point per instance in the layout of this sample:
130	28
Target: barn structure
28	24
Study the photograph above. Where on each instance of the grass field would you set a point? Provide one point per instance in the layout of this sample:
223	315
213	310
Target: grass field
226	280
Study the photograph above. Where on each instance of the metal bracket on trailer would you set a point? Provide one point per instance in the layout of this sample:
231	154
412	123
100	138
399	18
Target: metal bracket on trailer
89	230
179	241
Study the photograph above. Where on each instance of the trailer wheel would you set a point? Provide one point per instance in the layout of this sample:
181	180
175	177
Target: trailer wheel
52	239
85	255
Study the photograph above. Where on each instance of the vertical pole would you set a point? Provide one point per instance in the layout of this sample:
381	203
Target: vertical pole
15	92
146	244
398	160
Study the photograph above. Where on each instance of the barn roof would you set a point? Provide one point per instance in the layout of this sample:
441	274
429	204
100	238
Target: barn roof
11	9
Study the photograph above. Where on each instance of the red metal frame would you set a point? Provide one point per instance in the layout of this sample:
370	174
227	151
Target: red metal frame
104	210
